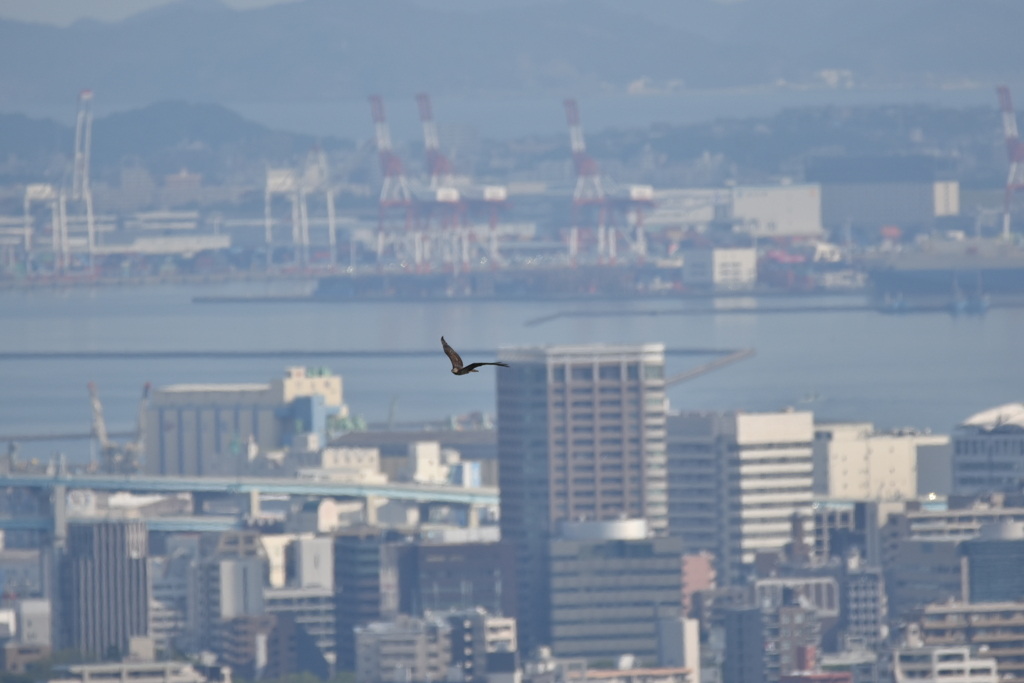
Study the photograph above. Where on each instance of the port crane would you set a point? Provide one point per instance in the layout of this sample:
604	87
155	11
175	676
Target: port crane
118	458
591	190
1015	152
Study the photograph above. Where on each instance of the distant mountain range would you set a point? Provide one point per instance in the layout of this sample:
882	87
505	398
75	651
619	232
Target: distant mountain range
164	137
325	50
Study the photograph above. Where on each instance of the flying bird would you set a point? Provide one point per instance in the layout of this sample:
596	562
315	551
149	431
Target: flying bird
456	360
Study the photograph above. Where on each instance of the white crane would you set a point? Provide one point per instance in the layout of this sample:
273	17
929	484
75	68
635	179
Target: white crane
119	458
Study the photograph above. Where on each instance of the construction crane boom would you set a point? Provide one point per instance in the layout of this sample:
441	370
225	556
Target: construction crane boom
99	424
589	188
440	167
395	189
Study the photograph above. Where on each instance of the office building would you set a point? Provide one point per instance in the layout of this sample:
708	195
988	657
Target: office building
405	649
610	584
988	451
744	645
310	608
103	588
852	461
919	572
215	429
442	576
996	628
679	644
735	482
173	596
941	664
581	435
995	564
366	586
229	586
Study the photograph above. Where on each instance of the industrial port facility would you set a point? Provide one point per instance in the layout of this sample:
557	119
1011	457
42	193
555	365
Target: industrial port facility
893	227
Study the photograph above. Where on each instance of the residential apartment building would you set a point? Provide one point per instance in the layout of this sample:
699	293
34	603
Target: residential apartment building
942	665
581	435
735	482
995	627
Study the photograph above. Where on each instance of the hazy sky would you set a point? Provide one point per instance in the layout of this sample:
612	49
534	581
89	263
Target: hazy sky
64	12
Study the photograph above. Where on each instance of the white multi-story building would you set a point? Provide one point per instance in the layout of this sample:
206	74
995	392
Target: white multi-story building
943	665
736	480
988	451
854	462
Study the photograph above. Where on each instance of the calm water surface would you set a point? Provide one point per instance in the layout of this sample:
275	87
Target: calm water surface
925	371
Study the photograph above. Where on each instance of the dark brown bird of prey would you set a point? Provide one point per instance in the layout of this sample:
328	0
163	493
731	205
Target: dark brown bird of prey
456	359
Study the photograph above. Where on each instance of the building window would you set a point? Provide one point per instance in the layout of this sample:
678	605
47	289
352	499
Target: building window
654	372
583	373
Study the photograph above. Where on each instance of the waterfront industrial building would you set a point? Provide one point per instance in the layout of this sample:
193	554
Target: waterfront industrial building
215	429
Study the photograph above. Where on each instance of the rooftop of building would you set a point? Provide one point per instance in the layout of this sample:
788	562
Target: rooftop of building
1001	419
209	388
584	353
957	607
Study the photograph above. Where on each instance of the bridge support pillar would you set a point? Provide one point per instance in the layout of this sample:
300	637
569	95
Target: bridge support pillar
370	505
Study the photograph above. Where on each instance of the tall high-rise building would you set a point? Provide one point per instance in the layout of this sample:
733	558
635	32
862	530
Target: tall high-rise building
104	592
581	435
736	480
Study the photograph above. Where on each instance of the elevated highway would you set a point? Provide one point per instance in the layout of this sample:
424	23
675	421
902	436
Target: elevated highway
419	493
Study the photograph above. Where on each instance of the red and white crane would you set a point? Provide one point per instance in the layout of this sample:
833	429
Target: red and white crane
395	191
1015	153
440	167
589	188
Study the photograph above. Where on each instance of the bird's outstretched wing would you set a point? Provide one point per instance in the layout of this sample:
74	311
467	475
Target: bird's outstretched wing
473	366
452	355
